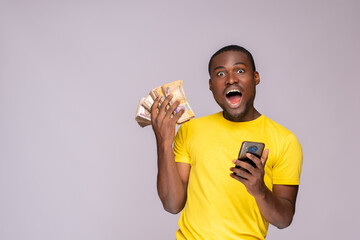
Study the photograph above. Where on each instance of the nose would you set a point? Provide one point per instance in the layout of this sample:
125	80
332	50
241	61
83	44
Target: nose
231	79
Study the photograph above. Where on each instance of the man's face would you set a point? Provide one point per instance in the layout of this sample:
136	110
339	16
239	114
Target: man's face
232	82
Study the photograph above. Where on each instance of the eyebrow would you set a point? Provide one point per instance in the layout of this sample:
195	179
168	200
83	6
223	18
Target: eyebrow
222	67
238	63
219	67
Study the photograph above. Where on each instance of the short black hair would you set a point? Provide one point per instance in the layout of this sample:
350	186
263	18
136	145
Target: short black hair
233	48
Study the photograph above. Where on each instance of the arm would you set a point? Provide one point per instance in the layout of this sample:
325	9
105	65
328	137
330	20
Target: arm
277	207
172	177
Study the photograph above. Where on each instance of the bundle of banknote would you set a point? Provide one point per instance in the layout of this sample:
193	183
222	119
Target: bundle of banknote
143	115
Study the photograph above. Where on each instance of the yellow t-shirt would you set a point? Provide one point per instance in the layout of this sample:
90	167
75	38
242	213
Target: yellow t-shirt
218	206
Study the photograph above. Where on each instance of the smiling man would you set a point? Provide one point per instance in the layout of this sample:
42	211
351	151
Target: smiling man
199	177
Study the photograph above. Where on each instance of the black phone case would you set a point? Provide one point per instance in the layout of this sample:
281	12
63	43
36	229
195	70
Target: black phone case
255	148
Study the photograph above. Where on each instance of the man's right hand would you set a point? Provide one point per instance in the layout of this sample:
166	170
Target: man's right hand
163	121
172	177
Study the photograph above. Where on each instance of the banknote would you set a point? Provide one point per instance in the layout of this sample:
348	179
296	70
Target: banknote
176	88
148	102
143	116
154	93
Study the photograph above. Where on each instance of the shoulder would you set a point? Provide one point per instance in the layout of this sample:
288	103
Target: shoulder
276	127
197	126
283	137
279	134
202	121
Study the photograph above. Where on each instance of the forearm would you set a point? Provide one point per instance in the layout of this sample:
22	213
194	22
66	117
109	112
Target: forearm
276	210
171	189
277	206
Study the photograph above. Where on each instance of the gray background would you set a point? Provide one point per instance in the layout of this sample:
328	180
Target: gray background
75	165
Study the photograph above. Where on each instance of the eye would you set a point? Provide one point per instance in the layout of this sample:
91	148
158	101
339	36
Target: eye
220	74
240	70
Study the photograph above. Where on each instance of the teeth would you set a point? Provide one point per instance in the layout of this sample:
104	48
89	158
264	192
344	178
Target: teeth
233	90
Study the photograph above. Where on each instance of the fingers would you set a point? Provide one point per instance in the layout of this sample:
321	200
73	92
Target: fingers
260	163
264	156
154	109
239	178
243	165
242	169
178	115
240	173
172	109
160	113
157	110
246	169
162	109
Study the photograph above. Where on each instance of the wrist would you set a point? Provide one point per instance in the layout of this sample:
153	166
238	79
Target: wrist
262	193
164	141
163	145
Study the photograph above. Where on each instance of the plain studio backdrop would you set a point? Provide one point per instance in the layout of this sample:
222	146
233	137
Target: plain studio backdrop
74	164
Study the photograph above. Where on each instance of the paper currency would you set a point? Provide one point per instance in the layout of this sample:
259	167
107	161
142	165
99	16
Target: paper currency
148	102
143	115
176	88
154	93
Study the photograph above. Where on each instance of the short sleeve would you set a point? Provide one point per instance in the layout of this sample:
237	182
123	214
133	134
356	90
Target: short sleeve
180	145
287	168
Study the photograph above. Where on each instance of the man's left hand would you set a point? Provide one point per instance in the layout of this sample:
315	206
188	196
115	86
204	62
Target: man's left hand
254	178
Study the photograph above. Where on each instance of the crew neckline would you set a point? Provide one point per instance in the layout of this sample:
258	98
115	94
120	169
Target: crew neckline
221	116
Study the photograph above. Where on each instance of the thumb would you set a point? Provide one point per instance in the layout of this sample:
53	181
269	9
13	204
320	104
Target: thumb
264	156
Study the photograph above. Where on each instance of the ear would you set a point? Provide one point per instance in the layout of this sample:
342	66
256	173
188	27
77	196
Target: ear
257	78
210	84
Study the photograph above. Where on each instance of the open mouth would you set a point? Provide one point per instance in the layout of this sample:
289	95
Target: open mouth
233	96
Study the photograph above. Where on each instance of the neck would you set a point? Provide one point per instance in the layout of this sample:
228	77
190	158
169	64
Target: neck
249	116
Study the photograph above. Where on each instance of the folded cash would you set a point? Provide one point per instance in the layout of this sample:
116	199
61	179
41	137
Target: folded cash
148	102
176	88
156	92
143	115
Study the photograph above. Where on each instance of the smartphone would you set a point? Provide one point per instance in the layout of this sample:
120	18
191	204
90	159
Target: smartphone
255	148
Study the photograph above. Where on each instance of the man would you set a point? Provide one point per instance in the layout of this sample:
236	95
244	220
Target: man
199	176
